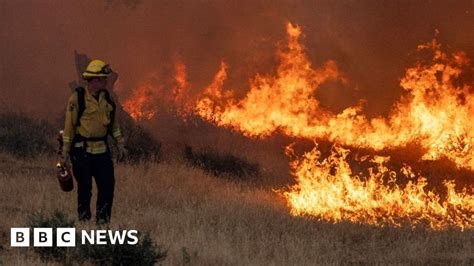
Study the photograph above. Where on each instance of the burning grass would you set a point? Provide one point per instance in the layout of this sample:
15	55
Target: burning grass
329	189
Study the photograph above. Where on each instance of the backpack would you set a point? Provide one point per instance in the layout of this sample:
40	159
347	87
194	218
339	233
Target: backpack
82	106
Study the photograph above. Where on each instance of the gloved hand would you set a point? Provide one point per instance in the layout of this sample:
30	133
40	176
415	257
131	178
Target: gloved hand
65	158
121	152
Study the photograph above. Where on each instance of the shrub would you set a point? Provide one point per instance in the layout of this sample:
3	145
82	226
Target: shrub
187	257
221	164
24	136
144	253
54	220
140	144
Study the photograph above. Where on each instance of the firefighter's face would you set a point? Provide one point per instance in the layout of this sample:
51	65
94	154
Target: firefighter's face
97	84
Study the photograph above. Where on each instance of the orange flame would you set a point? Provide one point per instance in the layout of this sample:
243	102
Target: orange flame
209	105
143	103
435	114
330	191
140	105
284	103
181	82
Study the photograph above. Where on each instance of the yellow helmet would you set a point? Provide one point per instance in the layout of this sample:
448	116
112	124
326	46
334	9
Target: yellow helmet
97	68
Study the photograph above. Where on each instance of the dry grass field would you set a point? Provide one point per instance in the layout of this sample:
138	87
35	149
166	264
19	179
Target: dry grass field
202	219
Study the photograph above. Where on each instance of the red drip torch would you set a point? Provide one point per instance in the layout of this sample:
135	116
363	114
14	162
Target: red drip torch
63	173
64	176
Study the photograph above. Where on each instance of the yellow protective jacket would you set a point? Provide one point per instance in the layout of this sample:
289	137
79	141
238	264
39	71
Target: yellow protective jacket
94	123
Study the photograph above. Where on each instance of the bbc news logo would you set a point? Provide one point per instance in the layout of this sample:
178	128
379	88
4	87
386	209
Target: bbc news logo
66	237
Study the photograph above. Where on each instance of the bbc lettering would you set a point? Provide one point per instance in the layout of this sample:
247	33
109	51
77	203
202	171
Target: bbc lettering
66	237
20	237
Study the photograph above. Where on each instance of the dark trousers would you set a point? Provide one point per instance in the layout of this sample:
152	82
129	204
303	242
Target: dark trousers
100	166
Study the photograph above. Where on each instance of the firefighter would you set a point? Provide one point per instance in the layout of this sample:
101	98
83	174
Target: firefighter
90	119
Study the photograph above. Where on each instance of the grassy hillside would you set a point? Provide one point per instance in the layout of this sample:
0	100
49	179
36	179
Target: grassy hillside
203	219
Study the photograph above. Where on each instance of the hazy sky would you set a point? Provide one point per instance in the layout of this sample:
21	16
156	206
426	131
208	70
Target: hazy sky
372	42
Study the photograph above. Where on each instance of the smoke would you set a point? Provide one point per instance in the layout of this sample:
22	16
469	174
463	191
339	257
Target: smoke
371	41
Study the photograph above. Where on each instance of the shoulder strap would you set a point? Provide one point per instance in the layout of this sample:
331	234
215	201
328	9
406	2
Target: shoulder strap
112	113
82	104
